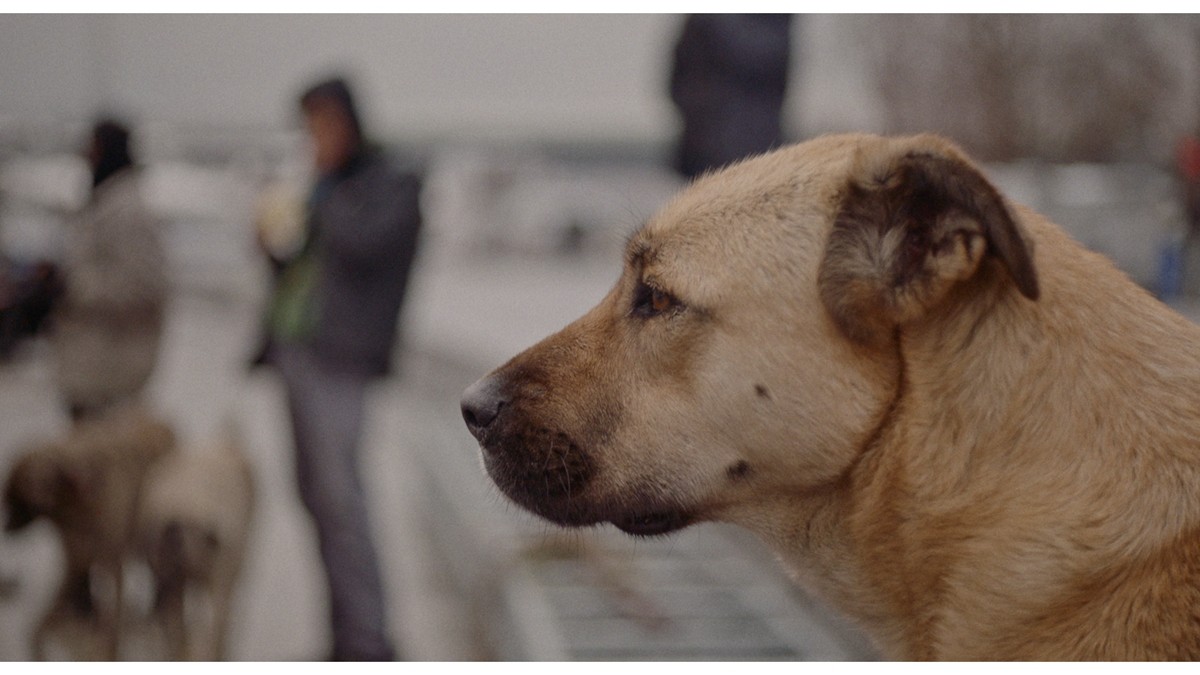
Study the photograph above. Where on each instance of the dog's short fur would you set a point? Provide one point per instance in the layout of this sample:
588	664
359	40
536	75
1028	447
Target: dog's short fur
193	530
954	423
88	484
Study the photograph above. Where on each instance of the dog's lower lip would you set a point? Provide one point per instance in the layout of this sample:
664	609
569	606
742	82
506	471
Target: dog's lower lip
653	524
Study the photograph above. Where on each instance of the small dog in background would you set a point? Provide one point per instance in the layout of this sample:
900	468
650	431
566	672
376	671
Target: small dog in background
192	531
88	485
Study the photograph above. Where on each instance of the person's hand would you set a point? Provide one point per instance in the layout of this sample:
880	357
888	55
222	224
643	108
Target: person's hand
279	221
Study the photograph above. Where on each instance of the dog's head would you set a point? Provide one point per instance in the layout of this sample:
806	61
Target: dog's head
64	479
748	350
40	484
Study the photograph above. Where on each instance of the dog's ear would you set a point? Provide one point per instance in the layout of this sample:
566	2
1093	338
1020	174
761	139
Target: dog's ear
914	220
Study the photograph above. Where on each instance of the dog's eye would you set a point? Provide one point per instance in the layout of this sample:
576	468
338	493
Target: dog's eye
649	301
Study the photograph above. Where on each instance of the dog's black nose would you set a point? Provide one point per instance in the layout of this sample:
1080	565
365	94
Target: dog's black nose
481	403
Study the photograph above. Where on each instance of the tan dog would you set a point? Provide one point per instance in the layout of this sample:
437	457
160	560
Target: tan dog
88	484
954	423
193	531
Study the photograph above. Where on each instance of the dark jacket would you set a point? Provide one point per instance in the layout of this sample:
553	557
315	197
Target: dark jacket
363	230
728	81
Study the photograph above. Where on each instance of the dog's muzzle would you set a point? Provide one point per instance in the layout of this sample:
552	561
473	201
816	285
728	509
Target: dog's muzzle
536	465
544	470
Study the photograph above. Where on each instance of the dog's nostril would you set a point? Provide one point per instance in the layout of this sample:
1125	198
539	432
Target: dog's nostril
481	403
479	417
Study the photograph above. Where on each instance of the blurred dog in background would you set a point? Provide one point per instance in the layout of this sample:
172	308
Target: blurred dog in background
192	531
88	484
121	491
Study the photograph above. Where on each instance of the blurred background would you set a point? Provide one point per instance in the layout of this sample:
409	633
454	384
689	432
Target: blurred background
542	141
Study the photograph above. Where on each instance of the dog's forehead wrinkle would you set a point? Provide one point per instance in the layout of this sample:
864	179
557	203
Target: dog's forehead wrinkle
639	250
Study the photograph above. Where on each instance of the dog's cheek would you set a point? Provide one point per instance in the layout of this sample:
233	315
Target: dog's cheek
797	403
671	440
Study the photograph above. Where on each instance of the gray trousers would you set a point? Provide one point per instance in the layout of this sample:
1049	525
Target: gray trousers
326	408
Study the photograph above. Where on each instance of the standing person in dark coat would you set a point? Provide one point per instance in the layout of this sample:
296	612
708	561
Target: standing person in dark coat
728	81
331	326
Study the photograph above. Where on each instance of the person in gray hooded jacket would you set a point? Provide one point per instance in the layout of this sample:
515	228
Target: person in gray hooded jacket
106	330
332	323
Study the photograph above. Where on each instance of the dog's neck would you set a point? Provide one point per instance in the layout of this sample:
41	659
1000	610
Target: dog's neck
1035	400
999	394
812	532
857	558
963	370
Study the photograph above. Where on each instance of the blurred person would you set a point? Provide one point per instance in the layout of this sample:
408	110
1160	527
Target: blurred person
107	327
331	323
728	80
1188	163
1181	262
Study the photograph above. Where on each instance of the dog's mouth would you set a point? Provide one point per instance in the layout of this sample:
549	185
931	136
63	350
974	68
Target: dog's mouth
552	477
653	524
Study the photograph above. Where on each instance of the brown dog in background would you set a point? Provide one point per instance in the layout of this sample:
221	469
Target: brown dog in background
88	484
953	422
192	531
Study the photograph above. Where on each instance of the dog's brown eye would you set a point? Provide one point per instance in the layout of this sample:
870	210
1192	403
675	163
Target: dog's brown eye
650	301
659	301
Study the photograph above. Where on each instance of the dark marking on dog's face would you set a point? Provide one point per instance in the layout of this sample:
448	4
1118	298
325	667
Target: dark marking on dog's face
739	470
